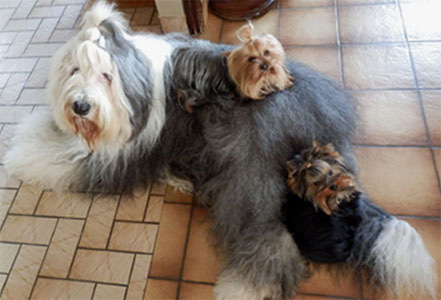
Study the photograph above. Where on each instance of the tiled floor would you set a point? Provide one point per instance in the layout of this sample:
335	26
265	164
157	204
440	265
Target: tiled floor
156	245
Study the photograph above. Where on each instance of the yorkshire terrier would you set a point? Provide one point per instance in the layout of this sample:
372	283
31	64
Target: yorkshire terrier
250	71
257	67
319	176
332	220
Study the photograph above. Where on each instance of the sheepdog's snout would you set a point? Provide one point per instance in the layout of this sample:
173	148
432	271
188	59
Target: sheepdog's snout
80	105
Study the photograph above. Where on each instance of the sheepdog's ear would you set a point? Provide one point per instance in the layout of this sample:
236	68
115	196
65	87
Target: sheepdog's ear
246	33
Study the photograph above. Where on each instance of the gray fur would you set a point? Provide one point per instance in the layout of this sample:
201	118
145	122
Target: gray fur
235	152
134	69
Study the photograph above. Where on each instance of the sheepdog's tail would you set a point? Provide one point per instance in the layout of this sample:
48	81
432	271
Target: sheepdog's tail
394	254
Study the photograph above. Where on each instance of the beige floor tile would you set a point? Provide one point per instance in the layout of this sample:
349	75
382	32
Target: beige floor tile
372	23
154	209
169	249
426	57
158	189
134	237
310	26
212	29
132	207
138	280
432	109
173	195
322	282
421	19
62	248
400	180
102	266
66	205
161	289
27	230
7	181
8	252
305	3
142	16
99	222
24	272
26	200
193	291
109	292
62	289
2	280
201	263
6	198
322	59
267	24
377	67
390	118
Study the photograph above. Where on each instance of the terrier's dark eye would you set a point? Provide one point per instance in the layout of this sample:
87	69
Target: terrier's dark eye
266	52
74	70
108	77
333	187
252	58
330	173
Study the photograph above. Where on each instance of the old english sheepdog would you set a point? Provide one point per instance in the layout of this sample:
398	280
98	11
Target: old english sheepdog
115	123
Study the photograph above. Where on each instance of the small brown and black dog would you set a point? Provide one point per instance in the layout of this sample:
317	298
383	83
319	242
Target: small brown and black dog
252	70
319	175
257	66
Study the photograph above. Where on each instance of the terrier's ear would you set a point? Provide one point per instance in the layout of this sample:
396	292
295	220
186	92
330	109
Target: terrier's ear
294	164
245	33
330	150
226	53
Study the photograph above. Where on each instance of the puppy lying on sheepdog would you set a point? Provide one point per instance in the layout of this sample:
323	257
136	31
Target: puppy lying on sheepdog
115	124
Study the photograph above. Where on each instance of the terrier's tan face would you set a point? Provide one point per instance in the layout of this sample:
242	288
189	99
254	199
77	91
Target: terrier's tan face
257	67
320	176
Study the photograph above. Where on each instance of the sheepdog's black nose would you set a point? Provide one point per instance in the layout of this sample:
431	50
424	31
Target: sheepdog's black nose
81	107
264	66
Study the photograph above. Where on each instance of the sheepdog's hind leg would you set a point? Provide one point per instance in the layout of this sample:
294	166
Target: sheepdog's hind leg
264	266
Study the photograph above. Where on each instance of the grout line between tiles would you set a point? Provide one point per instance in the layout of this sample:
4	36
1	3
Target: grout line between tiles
339	50
58	22
84	281
328	296
182	280
114	250
79	239
418	217
10	205
94	290
44	258
37	204
130	276
278	20
148	190
113	222
7	276
185	249
420	99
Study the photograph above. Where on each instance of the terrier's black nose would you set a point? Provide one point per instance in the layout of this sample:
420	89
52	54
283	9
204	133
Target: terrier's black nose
81	107
264	66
